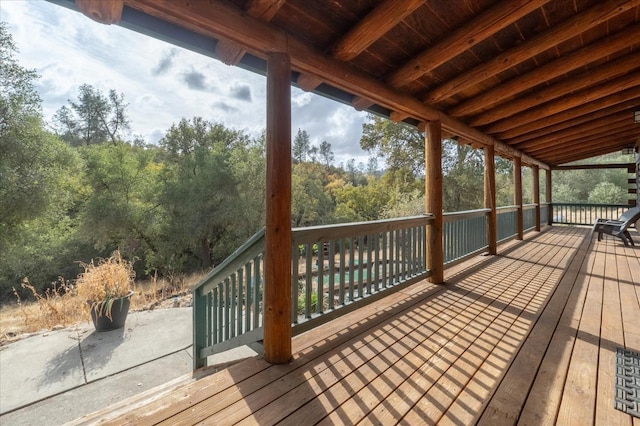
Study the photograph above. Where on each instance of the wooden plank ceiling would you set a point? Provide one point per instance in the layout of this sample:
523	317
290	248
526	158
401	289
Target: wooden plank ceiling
552	81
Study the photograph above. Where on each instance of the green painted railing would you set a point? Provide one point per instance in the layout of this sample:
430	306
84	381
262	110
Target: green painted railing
507	224
464	234
586	214
335	269
528	217
544	213
339	268
227	303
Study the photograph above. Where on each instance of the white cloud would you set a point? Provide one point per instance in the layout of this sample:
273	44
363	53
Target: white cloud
162	83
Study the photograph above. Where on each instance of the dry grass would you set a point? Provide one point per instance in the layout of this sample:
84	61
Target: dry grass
111	278
61	306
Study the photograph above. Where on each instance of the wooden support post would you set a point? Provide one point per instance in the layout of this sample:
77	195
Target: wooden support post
277	253
517	184
548	197
536	194
433	199
490	197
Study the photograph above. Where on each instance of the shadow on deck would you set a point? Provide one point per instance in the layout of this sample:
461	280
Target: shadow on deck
527	336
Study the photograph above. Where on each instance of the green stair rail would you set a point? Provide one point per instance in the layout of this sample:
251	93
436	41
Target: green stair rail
227	303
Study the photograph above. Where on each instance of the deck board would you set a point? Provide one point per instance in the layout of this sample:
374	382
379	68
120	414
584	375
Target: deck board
527	338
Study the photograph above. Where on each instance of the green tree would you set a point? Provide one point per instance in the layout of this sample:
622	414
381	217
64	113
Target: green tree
301	146
39	184
94	118
463	177
326	154
361	203
32	162
607	193
121	210
310	204
400	145
200	196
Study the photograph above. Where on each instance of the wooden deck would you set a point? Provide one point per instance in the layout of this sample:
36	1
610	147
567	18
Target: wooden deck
529	337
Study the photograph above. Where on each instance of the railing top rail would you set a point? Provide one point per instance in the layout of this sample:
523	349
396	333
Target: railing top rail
555	203
345	230
529	206
467	214
507	209
251	248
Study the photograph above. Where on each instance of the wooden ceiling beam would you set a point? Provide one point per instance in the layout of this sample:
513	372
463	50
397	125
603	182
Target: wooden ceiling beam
308	82
596	166
602	126
577	24
567	103
106	12
625	106
606	138
480	28
596	150
231	52
565	64
586	80
600	104
372	27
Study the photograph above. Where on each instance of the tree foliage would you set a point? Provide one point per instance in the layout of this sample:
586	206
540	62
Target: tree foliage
94	118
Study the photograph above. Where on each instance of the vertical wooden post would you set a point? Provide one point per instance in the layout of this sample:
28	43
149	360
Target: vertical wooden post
536	194
277	252
490	197
433	199
548	197
517	183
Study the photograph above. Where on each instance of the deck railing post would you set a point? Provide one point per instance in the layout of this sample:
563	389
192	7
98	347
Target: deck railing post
433	199
199	327
490	198
536	194
517	183
277	253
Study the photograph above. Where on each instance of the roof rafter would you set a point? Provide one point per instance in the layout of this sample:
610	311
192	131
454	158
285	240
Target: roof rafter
600	104
373	26
567	103
479	29
565	64
584	80
578	24
541	132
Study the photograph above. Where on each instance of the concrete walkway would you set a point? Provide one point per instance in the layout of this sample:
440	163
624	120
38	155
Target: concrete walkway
56	377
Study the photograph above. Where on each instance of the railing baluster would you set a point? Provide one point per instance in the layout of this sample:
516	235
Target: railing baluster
351	268
385	258
332	273
320	280
308	283
295	277
342	287
240	301
361	244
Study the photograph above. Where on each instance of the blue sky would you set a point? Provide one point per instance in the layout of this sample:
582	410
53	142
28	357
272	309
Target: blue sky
161	83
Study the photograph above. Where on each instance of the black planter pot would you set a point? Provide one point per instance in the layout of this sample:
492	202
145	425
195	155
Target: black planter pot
119	310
